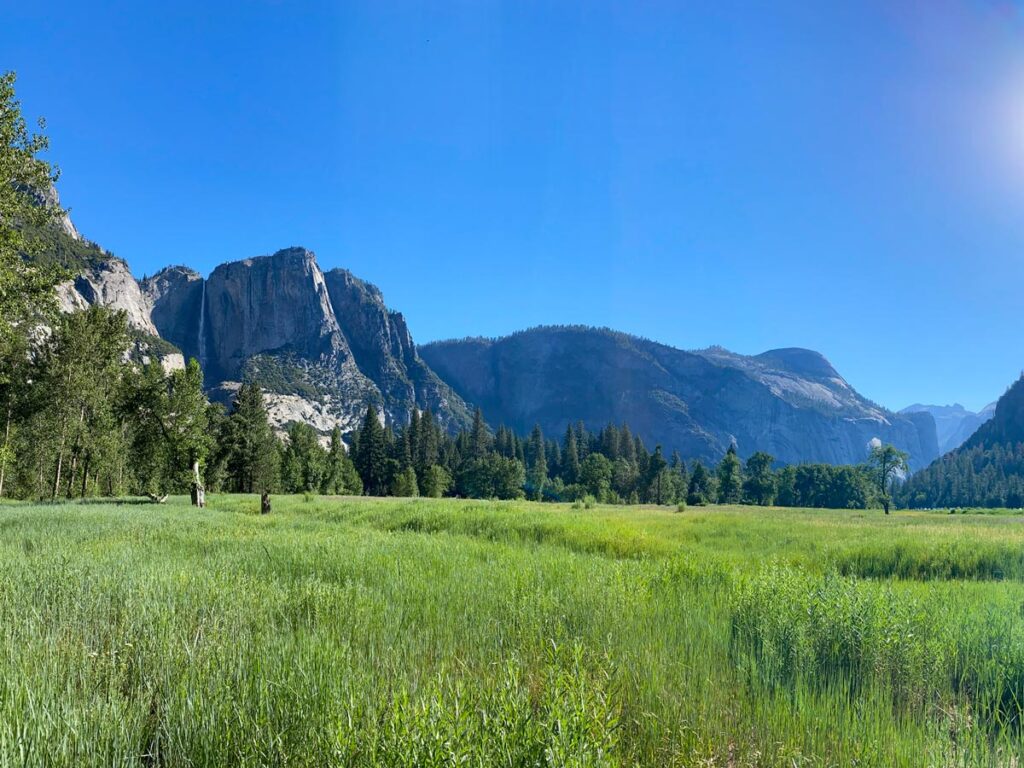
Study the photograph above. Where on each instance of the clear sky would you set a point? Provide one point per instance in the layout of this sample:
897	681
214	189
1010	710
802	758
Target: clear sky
844	176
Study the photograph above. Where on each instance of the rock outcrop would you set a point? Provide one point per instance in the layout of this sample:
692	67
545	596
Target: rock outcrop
111	284
789	402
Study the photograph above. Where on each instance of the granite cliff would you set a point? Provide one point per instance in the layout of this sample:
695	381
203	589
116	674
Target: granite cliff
322	346
788	402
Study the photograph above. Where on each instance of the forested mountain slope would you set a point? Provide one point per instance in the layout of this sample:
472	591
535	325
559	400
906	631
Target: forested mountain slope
986	471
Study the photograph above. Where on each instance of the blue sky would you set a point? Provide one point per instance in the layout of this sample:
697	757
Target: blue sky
844	176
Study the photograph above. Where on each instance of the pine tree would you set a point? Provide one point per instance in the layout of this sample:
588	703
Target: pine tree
479	440
253	463
656	470
702	486
430	440
371	461
536	464
627	448
570	457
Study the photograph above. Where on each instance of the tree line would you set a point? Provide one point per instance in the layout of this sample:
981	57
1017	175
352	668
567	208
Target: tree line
972	476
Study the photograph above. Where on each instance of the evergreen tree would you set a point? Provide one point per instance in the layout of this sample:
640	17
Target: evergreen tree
570	457
702	486
341	477
479	440
582	441
656	476
730	478
371	461
609	442
429	443
305	461
536	464
27	297
253	463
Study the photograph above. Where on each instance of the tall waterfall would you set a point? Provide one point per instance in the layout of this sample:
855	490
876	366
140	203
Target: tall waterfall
202	327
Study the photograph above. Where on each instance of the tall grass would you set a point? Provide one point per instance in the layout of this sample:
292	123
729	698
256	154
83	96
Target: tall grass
444	633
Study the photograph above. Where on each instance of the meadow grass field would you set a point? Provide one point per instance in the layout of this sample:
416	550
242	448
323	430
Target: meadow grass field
449	633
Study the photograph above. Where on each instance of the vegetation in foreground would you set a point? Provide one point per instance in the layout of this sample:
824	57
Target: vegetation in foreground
438	632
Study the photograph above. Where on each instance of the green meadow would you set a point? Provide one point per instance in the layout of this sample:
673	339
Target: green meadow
422	632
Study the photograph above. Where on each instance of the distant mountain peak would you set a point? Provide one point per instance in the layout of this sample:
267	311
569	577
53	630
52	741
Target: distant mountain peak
804	362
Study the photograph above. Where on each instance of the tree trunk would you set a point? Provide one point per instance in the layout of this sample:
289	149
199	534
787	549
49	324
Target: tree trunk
85	476
56	479
60	459
198	492
71	475
76	452
3	453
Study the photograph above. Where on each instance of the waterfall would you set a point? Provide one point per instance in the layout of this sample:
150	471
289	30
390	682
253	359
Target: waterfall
202	328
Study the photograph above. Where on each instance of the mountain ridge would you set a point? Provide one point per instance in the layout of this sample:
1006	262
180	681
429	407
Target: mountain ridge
324	344
954	424
697	401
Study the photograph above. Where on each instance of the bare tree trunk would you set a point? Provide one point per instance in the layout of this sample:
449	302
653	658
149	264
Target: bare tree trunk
198	492
3	454
56	479
73	473
85	476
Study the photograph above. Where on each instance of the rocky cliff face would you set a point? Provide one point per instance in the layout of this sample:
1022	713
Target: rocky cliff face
384	350
322	346
174	295
953	423
790	403
270	305
111	284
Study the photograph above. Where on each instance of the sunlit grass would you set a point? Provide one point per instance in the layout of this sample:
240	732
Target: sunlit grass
420	632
